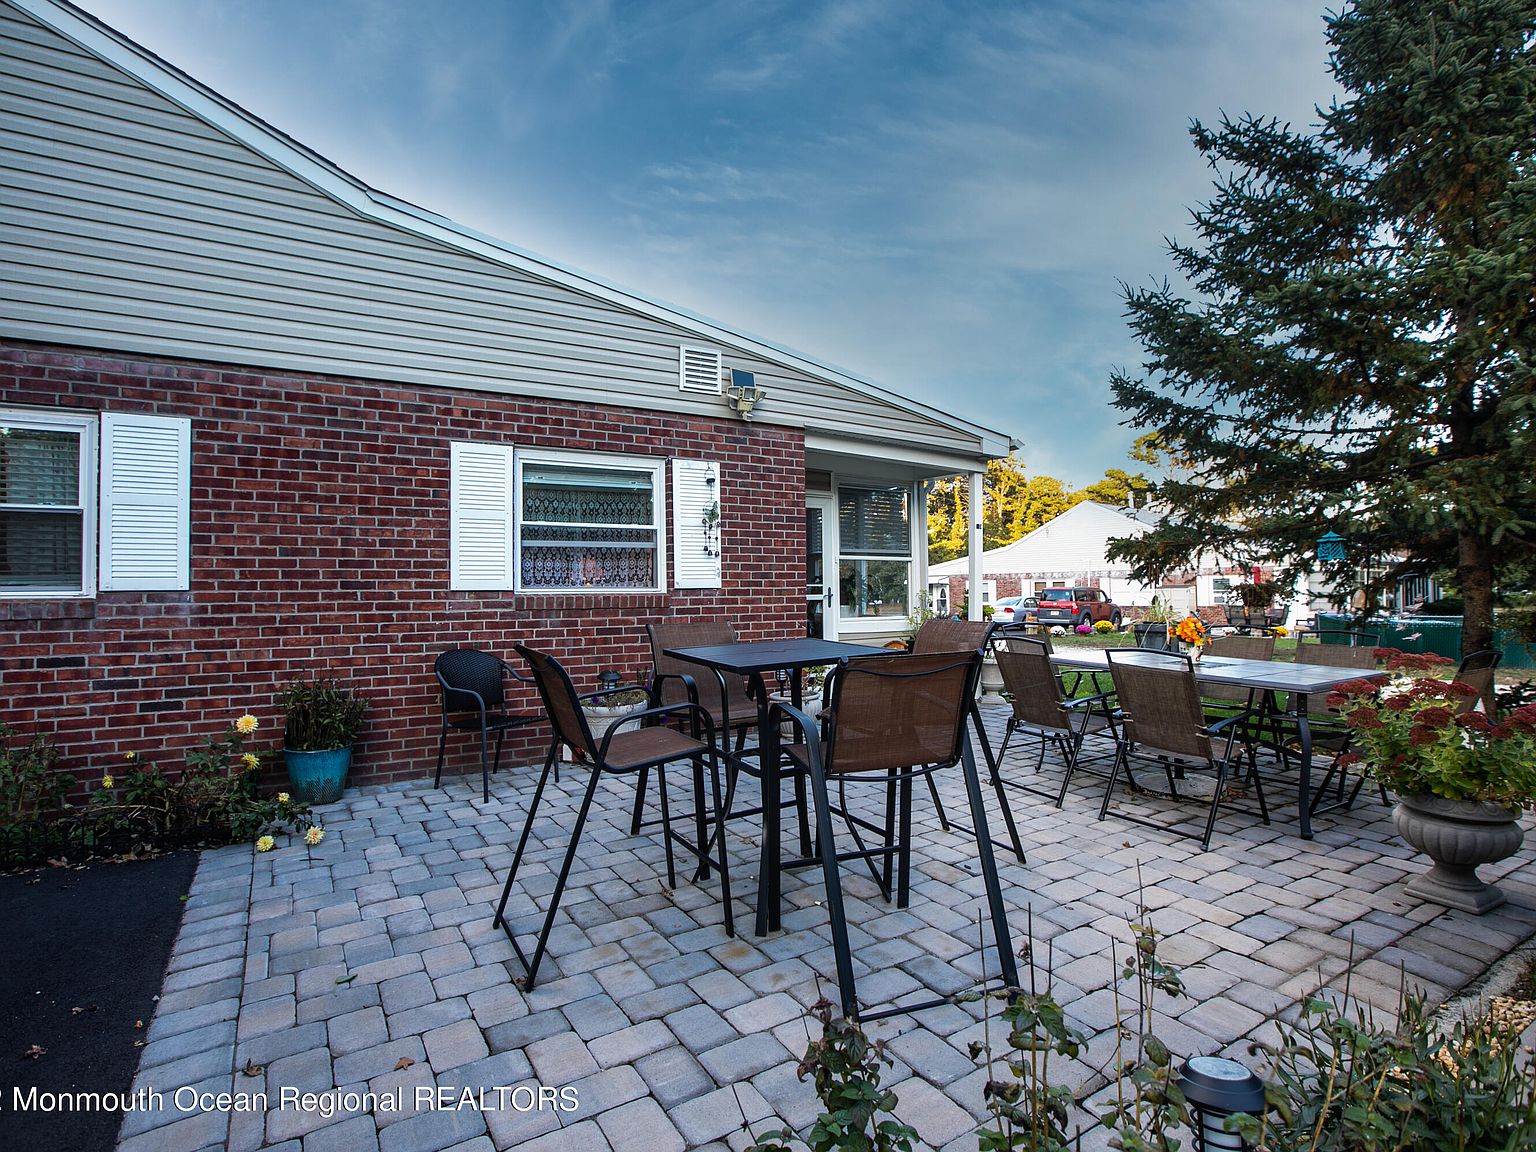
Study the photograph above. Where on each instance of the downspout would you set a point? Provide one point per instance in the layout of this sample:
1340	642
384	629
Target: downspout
973	589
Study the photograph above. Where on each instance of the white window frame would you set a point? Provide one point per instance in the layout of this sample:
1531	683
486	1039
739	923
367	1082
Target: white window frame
596	461
854	625
85	426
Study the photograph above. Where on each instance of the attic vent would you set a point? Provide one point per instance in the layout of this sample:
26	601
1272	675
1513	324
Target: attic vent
698	370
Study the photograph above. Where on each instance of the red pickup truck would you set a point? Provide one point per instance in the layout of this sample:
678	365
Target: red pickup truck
1073	606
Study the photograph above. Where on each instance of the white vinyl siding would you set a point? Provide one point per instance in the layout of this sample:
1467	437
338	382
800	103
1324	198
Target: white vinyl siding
481	533
135	225
146	498
47	504
696	524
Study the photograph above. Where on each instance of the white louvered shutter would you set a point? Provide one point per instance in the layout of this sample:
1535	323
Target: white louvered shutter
480	516
696	527
146	503
698	370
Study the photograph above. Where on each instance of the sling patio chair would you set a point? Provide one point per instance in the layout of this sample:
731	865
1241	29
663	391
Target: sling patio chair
1330	735
889	720
473	699
1161	717
1042	709
1223	698
727	699
956	636
622	750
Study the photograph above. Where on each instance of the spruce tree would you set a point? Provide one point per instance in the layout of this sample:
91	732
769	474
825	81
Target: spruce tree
1356	354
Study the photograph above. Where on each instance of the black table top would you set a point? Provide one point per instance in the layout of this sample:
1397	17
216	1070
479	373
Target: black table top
749	656
1276	675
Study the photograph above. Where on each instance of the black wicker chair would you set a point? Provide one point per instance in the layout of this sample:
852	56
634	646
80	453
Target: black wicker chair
474	699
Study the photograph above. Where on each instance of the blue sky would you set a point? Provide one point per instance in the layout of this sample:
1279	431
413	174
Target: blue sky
939	196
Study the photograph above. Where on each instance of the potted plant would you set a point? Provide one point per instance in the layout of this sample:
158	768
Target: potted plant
1156	618
1255	598
610	704
1461	777
321	723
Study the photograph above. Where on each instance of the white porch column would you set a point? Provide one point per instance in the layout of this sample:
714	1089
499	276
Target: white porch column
973	589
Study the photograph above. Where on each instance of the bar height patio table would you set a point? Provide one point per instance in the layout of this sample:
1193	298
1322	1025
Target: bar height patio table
1267	676
753	658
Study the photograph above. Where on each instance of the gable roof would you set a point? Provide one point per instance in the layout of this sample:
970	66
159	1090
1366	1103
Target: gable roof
1071	542
949	434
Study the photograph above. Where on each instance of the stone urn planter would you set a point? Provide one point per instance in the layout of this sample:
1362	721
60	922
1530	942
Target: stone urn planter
602	717
1457	835
991	681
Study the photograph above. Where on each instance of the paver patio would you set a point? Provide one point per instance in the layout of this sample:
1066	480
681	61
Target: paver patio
369	964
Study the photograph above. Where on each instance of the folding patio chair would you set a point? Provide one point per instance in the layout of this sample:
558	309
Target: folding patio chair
891	719
473	699
622	750
1040	708
1161	717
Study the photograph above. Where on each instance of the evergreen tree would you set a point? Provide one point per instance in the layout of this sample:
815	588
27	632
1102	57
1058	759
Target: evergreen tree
1357	353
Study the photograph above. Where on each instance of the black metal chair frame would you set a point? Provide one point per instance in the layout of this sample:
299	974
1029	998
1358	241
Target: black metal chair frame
1229	727
818	752
735	764
1067	739
477	704
703	747
993	761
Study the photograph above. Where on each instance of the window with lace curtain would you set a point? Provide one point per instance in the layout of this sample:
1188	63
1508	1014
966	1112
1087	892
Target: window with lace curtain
552	521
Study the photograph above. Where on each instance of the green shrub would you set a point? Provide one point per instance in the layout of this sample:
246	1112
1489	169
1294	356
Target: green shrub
320	715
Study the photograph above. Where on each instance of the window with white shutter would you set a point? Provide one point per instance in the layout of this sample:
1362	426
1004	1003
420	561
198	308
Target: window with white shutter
146	503
696	524
539	521
47	503
698	370
481	539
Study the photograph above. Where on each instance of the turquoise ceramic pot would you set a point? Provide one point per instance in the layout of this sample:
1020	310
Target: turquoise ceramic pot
318	777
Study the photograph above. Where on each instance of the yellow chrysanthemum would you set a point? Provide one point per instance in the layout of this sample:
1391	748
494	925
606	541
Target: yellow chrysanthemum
282	797
265	844
106	781
246	724
250	760
314	835
130	755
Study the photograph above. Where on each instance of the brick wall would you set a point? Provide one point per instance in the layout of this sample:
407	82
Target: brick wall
320	545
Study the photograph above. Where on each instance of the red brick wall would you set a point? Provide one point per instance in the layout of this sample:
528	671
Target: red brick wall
320	545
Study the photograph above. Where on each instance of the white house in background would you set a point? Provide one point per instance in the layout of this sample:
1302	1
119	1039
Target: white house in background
1071	550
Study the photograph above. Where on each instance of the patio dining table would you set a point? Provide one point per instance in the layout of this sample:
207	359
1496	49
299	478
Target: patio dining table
1271	677
754	658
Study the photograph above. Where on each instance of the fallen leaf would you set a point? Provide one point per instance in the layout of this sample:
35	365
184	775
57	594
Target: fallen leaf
33	1053
138	1024
403	1063
347	979
252	1068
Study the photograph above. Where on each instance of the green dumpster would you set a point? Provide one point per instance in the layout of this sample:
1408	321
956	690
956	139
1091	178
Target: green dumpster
1516	653
1438	634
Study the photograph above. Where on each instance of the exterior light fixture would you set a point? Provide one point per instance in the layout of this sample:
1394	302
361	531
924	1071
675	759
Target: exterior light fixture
1217	1089
742	393
609	680
1330	548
